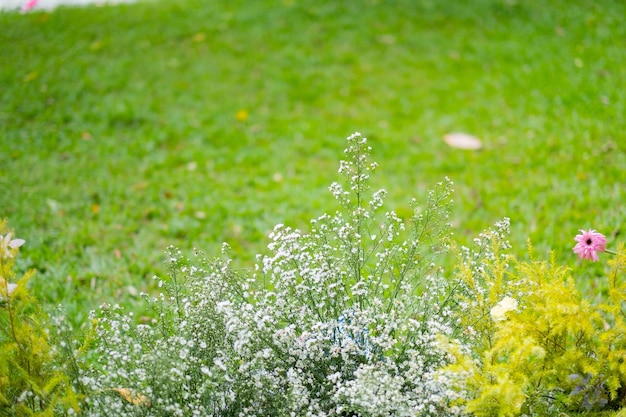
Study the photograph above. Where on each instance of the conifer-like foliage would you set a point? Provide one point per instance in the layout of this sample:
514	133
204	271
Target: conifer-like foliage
30	382
551	351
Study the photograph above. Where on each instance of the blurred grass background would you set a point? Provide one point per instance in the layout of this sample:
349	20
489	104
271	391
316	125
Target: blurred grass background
126	129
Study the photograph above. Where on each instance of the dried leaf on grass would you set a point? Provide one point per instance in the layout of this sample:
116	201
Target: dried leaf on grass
462	141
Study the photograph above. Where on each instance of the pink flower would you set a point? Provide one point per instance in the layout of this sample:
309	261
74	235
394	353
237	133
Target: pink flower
589	243
29	5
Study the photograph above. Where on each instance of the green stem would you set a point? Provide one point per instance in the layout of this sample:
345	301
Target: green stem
11	315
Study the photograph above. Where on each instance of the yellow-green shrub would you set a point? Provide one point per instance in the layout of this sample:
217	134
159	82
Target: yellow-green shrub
555	351
30	383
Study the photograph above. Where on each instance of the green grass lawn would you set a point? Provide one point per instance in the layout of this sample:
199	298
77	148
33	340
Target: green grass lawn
126	129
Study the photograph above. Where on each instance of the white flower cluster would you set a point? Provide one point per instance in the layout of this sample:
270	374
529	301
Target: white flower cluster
489	245
342	321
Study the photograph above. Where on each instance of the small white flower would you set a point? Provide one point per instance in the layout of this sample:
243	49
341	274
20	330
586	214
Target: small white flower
7	244
498	312
10	287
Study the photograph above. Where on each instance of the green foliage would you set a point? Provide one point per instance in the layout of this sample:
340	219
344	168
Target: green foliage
552	352
30	383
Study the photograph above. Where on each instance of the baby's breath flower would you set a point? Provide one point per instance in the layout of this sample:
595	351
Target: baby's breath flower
342	319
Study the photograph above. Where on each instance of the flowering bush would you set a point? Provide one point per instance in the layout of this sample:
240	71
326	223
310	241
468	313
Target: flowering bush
543	349
344	320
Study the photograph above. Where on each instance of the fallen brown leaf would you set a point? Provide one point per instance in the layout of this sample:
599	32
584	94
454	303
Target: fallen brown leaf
462	141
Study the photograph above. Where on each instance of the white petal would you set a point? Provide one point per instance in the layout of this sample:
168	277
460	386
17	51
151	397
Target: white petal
508	303
16	243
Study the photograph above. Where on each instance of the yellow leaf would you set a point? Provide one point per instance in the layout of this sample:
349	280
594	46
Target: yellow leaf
134	398
30	76
199	37
96	46
142	185
242	115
